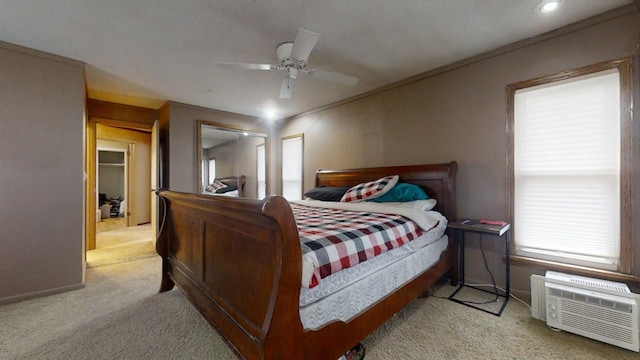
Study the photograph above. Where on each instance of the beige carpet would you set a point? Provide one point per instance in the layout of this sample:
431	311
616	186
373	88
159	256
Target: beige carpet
124	235
119	315
122	245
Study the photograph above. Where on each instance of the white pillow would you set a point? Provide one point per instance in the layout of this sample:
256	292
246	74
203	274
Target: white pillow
424	205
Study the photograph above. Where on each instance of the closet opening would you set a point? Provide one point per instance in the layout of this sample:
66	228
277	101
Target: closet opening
112	178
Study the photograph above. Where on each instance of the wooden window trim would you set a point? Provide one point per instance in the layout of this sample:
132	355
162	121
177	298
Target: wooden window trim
624	67
543	265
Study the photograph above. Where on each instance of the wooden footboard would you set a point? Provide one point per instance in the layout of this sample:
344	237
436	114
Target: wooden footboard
239	262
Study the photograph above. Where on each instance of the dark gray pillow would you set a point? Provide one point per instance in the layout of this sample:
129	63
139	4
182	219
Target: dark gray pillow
226	189
327	193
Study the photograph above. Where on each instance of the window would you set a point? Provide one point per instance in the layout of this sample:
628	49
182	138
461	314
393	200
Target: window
292	167
569	167
212	170
261	171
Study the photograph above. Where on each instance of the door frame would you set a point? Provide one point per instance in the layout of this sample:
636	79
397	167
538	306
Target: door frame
117	115
128	151
91	166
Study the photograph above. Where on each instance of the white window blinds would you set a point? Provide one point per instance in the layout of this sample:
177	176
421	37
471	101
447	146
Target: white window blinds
292	168
212	171
567	171
262	171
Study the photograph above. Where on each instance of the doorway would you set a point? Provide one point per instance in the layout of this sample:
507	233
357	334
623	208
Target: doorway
112	177
130	152
123	229
134	128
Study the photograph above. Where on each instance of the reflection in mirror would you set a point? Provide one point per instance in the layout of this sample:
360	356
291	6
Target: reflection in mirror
231	162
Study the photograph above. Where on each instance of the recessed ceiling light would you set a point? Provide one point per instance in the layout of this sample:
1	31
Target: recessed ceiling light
547	6
269	109
270	114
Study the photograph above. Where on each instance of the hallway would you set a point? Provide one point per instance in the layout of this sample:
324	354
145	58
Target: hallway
122	245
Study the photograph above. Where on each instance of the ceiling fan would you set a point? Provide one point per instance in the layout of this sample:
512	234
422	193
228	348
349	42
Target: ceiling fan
293	59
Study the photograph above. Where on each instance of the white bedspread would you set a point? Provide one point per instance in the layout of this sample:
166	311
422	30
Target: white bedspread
425	219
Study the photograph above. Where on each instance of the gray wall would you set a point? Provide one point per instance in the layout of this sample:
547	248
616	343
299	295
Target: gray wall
225	155
247	163
458	113
183	132
41	173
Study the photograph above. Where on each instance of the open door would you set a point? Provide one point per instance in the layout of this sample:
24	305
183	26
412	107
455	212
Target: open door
130	209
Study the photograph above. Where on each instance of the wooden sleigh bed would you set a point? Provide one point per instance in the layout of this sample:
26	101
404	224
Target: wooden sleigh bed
239	263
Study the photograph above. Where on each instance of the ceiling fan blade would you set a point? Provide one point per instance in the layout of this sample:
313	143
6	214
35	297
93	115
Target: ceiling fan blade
331	76
286	90
303	44
231	65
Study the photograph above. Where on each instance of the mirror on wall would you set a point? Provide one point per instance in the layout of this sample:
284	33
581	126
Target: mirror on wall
236	157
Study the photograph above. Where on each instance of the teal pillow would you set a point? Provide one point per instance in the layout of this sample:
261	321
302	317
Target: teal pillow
402	192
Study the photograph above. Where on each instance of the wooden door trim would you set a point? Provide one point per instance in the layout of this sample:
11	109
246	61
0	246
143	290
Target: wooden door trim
91	208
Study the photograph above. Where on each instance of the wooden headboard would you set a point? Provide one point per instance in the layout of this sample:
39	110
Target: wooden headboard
437	180
235	180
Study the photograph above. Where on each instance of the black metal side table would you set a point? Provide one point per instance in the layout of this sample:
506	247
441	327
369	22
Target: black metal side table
474	226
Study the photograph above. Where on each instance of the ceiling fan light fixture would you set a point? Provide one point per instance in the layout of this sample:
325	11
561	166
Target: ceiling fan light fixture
283	51
293	73
292	57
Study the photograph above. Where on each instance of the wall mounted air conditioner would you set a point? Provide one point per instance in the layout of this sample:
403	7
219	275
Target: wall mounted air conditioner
598	309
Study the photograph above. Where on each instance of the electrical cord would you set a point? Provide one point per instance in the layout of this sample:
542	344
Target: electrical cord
493	281
503	290
493	284
487	285
510	295
517	299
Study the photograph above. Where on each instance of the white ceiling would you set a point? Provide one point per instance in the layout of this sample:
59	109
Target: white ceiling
145	52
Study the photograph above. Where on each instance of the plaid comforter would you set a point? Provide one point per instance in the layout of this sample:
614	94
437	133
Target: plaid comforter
334	239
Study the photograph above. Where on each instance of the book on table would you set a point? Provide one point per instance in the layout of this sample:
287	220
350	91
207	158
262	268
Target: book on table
488	226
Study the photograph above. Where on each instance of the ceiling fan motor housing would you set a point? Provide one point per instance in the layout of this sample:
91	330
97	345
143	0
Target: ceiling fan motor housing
283	51
292	57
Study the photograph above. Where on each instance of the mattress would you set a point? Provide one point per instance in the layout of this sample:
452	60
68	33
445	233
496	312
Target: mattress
233	193
337	236
344	295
